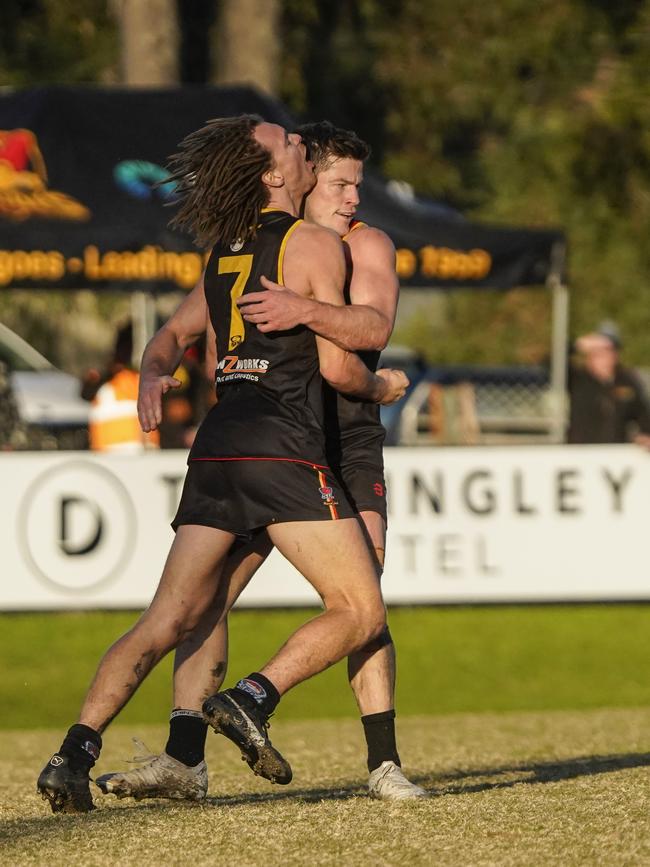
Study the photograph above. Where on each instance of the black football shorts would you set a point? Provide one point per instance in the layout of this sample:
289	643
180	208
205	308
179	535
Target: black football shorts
242	495
359	464
365	487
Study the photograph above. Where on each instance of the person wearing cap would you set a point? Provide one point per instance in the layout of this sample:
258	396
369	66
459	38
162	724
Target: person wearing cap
608	401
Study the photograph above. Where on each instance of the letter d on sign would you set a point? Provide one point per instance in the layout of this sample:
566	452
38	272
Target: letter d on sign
80	526
77	525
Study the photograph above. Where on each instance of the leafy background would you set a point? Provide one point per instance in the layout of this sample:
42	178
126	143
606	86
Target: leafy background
514	112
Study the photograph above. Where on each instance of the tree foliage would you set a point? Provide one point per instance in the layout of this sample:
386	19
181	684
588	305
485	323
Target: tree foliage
516	112
53	41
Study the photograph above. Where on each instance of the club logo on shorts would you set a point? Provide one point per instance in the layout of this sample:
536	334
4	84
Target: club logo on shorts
56	761
327	495
379	489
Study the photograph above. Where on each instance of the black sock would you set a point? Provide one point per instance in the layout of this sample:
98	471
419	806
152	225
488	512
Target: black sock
187	733
81	747
379	729
257	691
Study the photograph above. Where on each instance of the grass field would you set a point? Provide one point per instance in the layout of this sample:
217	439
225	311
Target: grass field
558	787
530	726
450	660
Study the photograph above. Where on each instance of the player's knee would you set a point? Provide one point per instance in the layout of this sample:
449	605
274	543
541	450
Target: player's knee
182	627
167	632
382	640
373	623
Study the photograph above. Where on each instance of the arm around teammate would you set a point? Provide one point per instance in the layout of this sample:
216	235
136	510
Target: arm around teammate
315	263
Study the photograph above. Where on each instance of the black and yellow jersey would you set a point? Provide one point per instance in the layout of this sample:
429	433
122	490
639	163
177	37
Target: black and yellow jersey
269	387
353	427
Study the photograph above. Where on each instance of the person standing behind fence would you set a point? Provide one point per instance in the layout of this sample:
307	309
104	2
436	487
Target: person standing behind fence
113	424
185	407
608	401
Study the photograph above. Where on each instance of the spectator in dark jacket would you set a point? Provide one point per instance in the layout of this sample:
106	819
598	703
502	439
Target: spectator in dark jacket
608	401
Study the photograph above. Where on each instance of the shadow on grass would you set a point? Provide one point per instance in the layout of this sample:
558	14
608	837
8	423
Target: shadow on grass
461	782
313	796
112	810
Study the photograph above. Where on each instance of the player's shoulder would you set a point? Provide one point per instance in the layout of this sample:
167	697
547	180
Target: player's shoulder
315	230
311	250
316	237
369	239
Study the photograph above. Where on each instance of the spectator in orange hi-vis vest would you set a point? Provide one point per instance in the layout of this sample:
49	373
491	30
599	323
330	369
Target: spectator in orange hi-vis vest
113	419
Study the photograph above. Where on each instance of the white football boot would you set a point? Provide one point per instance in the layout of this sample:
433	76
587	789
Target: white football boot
162	777
388	783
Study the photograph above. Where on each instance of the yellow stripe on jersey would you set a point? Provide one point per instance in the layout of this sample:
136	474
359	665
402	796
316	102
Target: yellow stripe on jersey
240	265
283	247
356	224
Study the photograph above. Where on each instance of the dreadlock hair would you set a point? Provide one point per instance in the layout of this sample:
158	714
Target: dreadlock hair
326	143
218	174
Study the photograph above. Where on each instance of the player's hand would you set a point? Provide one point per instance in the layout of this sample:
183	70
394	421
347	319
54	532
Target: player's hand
275	309
396	384
150	392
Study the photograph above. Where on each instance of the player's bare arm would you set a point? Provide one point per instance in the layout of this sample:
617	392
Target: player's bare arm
365	324
374	284
320	270
163	353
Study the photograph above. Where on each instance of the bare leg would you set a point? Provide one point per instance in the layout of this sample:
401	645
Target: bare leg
186	586
334	558
200	666
201	659
371	670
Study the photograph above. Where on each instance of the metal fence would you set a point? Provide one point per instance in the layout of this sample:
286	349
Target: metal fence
484	406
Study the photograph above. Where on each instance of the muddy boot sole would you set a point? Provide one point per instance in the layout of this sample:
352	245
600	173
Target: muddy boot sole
65	790
231	720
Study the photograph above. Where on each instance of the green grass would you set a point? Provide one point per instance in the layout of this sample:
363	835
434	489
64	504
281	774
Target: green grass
450	660
566	788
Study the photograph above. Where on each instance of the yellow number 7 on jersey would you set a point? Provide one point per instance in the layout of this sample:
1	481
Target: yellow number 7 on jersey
241	266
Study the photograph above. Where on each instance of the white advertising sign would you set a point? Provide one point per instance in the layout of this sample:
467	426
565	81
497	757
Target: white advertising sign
518	523
538	523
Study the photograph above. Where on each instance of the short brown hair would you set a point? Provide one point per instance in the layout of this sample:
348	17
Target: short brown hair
326	143
218	174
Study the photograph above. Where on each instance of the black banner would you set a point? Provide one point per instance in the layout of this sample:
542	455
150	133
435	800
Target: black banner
438	248
79	205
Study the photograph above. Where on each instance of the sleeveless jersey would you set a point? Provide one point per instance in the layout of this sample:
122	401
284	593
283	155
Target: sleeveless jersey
352	425
269	387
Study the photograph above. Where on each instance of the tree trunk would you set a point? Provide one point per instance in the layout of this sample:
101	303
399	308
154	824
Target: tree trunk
149	41
246	46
